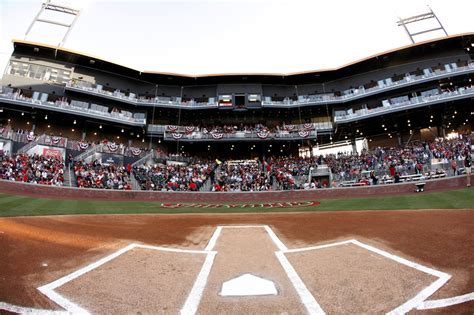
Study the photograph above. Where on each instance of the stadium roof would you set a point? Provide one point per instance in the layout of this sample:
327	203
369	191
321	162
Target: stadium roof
373	62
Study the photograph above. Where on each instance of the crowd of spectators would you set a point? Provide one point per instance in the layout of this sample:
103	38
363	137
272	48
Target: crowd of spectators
246	175
36	169
414	158
173	177
102	175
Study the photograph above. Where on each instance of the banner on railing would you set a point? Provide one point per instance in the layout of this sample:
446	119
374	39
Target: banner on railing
263	134
172	128
55	139
308	126
189	129
136	151
30	137
176	135
83	145
217	135
112	146
303	133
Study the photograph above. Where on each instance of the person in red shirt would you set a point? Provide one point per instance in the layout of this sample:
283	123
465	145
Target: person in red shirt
193	186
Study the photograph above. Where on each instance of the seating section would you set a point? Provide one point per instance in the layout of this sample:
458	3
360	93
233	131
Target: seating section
101	176
34	169
174	176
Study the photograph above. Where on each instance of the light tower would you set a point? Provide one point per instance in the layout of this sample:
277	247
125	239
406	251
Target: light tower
65	10
417	18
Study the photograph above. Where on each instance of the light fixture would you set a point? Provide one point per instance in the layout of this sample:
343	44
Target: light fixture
45	117
143	140
27	122
95	133
72	130
22	114
49	126
74	122
138	136
118	137
159	140
100	126
122	130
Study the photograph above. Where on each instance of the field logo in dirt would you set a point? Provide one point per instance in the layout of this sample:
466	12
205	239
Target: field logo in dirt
295	204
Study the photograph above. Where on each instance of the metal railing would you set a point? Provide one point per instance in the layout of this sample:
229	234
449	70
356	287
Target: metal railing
386	84
356	93
460	93
64	107
95	89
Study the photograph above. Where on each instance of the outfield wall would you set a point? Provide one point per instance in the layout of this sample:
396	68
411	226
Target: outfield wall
43	191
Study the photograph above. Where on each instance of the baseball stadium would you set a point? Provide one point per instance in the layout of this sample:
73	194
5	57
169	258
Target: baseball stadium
344	190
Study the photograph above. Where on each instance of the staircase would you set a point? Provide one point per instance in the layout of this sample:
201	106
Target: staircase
134	181
88	153
145	159
30	145
69	178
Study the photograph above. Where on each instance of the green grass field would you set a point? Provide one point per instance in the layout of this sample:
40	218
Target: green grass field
11	205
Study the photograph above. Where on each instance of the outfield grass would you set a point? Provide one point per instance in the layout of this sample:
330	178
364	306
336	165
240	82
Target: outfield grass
11	205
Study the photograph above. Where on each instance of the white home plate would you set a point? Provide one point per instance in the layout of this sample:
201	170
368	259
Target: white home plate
247	285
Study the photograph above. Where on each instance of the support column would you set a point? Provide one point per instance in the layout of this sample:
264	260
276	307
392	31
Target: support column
354	147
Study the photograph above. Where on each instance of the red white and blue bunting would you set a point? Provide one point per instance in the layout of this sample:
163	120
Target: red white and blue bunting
263	134
136	151
30	137
172	128
308	126
189	129
290	127
83	145
55	139
177	136
112	146
303	133
217	135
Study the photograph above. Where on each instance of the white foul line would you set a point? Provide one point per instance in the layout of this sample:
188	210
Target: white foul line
194	298
213	240
427	305
305	295
275	238
28	310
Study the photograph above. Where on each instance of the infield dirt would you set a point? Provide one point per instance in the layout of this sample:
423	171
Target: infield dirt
38	250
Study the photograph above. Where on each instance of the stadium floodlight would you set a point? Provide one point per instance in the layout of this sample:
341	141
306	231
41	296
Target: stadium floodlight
65	10
421	17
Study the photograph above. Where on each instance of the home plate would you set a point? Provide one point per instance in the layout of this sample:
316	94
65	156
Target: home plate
248	285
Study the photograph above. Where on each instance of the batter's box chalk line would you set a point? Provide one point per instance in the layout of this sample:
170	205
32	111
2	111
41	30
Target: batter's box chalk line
419	301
